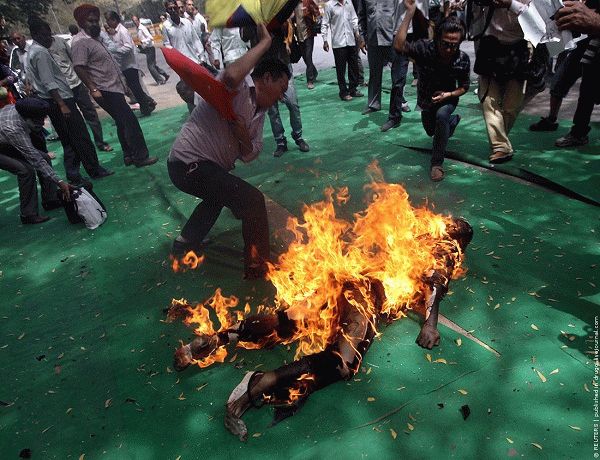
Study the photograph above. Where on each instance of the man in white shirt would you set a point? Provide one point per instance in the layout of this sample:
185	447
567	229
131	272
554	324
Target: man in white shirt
124	53
179	33
147	48
339	17
227	46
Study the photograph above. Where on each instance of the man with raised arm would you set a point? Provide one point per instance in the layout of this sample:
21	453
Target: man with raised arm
443	78
200	161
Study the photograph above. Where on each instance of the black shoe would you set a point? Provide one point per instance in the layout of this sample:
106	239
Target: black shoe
51	205
389	125
280	150
166	77
369	110
128	161
180	249
545	124
147	162
32	220
102	173
302	145
76	180
148	110
356	94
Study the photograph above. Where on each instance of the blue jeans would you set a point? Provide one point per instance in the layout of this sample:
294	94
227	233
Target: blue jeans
439	122
291	101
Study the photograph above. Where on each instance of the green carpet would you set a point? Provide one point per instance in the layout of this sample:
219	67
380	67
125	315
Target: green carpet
86	356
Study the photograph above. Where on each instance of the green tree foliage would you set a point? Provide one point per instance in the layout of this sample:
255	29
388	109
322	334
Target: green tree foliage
16	12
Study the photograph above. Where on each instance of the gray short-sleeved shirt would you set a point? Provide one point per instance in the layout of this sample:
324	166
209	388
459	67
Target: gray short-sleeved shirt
45	74
206	136
93	56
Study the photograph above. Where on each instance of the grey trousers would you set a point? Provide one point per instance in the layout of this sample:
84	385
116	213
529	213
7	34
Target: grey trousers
12	160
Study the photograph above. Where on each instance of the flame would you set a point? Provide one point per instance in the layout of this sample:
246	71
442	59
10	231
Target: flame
390	242
190	261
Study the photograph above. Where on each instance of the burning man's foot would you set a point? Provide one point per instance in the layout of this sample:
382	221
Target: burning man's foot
429	337
199	348
249	392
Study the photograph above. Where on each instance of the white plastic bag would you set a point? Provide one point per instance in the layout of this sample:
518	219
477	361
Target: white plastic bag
91	211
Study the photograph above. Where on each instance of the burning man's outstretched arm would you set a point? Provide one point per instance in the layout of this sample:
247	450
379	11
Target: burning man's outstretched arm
263	330
235	73
462	232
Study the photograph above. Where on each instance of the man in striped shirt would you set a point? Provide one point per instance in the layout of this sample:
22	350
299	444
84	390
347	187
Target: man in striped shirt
22	154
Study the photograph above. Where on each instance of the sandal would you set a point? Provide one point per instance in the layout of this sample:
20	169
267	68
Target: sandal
500	157
234	423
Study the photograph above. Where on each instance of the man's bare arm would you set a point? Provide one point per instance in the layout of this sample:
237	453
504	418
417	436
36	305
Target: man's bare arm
400	38
84	76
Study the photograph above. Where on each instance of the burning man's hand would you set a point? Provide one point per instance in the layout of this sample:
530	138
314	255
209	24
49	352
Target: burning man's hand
429	337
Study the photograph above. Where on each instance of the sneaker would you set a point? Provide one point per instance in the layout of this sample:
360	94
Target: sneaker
310	85
32	220
302	145
436	173
346	98
545	124
280	150
146	162
389	125
369	110
571	141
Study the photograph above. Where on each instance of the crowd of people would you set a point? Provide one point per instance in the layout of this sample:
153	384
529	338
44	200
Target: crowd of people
99	68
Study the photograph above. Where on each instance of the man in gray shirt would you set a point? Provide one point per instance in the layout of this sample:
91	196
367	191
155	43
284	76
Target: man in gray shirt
61	52
208	146
51	85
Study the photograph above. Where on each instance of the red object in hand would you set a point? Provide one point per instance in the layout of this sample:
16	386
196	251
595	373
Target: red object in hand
202	82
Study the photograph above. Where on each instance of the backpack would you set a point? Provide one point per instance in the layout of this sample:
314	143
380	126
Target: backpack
85	207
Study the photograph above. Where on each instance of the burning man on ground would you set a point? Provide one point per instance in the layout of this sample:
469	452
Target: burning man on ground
335	284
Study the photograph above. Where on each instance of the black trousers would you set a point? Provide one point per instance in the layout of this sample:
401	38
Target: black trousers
219	189
346	56
589	95
307	47
129	131
77	145
132	76
85	104
14	162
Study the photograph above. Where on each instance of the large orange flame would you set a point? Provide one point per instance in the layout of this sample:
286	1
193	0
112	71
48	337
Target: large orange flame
390	241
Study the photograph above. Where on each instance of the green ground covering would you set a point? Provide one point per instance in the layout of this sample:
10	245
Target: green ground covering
86	357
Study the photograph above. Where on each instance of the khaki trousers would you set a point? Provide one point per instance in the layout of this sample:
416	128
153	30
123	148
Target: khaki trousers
501	103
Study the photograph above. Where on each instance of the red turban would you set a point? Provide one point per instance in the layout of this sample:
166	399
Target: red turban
82	11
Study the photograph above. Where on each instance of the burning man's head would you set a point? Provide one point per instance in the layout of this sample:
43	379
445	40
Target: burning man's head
461	231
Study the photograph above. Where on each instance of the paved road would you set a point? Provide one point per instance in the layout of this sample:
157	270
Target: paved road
166	96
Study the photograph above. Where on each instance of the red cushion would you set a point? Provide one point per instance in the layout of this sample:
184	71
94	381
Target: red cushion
202	82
